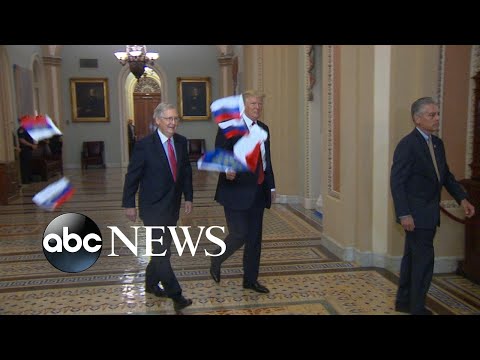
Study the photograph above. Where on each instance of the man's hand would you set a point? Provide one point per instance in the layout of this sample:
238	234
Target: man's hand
230	174
188	207
407	223
469	208
274	196
131	214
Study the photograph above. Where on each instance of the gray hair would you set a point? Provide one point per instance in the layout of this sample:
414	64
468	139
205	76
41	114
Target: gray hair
161	108
417	106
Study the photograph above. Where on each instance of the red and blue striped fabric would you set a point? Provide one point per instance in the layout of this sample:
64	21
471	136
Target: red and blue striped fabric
54	194
234	127
39	127
227	108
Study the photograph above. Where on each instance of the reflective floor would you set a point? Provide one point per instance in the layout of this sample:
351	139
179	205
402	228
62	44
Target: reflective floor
303	277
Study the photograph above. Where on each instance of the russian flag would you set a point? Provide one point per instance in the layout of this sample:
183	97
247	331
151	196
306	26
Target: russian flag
54	194
220	160
227	108
234	127
247	149
39	127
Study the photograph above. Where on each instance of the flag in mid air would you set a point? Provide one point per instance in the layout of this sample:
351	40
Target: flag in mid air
220	160
54	194
247	149
39	127
234	127
227	108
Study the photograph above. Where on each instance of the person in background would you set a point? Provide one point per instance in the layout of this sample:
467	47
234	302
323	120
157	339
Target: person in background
27	145
418	173
131	137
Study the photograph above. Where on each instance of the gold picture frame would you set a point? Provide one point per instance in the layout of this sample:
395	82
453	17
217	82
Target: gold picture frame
194	94
89	99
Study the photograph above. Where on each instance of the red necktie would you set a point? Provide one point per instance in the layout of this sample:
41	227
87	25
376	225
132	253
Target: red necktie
261	174
172	160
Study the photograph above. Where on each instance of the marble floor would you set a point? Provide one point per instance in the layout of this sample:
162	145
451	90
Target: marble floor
304	278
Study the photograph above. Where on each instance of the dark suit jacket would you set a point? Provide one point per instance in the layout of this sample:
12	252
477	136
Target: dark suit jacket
239	194
413	181
159	194
131	133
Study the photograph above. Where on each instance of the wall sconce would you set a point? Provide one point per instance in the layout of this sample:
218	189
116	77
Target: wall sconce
137	57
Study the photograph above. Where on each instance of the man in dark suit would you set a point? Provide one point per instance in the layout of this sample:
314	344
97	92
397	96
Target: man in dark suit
416	181
244	197
160	166
131	137
27	146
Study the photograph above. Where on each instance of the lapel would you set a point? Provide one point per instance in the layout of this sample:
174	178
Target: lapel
438	155
161	151
425	153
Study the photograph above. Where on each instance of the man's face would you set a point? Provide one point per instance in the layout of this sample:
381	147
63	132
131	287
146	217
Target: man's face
429	119
253	107
168	122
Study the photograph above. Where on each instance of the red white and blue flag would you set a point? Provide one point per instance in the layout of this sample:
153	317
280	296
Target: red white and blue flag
234	127
54	194
227	108
247	149
39	127
220	160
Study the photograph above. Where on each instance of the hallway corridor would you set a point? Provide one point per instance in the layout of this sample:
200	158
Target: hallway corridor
303	277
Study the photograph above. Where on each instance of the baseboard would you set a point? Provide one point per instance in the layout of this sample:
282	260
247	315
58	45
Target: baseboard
79	166
309	203
287	199
443	264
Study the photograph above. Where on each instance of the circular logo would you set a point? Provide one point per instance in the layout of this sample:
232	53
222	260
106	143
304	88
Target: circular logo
72	242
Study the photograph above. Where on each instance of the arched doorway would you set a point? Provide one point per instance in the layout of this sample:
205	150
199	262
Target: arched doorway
146	97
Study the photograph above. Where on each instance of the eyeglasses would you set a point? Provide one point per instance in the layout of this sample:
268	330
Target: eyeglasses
171	118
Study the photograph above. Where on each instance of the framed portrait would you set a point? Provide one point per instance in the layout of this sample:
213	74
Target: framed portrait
89	99
193	95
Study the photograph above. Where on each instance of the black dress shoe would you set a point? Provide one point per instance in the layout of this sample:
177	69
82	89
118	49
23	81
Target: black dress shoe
155	290
404	308
215	272
181	303
256	286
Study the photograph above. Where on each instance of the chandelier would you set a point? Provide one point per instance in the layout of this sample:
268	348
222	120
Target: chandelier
137	57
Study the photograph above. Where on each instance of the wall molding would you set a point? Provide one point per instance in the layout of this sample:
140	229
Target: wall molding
287	199
308	117
330	120
441	84
443	264
474	69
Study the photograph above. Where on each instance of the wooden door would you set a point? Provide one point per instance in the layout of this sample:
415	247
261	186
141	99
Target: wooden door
143	107
471	264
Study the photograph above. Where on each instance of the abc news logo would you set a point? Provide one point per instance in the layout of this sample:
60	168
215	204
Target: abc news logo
73	242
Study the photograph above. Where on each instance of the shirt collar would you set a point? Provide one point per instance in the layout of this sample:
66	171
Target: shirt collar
163	138
424	134
248	121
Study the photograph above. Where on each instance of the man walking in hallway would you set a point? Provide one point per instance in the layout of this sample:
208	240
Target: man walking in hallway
418	173
160	166
244	197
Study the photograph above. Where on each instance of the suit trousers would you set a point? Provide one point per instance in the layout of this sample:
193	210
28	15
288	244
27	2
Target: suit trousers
245	228
159	269
416	269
